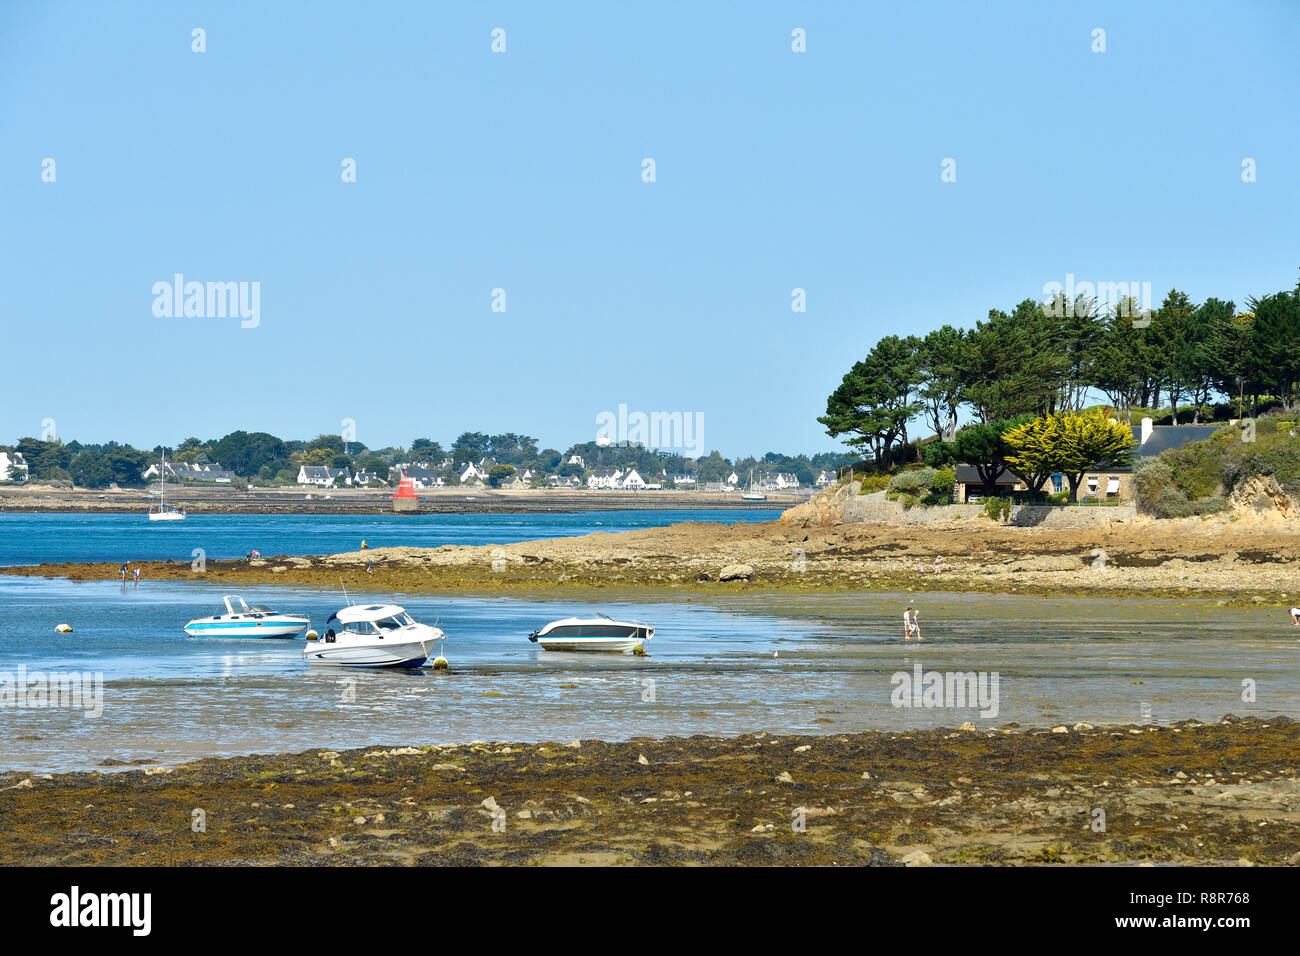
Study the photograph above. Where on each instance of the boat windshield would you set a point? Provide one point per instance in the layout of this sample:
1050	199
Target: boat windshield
393	623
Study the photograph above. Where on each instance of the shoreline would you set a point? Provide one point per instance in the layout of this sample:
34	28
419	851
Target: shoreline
280	501
1184	793
1242	562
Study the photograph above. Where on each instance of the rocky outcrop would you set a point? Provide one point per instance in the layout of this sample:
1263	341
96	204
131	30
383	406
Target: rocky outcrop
824	509
1262	495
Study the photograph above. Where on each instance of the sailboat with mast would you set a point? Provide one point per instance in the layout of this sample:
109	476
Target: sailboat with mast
752	493
161	512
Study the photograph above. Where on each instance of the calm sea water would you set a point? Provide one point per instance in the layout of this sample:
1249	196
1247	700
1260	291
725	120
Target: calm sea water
743	663
41	538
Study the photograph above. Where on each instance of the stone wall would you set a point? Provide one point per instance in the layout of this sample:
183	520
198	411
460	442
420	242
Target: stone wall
1026	516
845	505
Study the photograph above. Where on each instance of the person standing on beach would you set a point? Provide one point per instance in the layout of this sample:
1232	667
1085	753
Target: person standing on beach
916	623
137	575
907	624
370	567
123	572
363	544
1295	617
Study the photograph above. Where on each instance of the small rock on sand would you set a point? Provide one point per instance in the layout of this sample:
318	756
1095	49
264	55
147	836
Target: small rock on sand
784	777
917	858
736	572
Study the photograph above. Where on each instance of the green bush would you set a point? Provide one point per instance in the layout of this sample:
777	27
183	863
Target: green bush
997	509
1150	477
1170	502
873	483
943	483
1209	504
911	482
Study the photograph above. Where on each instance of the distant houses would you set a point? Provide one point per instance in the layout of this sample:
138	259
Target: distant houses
472	474
603	478
612	478
1101	483
423	477
321	476
778	482
185	471
13	460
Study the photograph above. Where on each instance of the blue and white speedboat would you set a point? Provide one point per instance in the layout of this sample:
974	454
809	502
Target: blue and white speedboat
598	633
240	620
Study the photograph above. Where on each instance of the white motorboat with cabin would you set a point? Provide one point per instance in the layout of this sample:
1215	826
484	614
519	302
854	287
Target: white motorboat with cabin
240	620
373	635
599	633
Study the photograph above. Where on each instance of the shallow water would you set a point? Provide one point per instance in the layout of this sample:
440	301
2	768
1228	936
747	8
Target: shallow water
40	538
815	664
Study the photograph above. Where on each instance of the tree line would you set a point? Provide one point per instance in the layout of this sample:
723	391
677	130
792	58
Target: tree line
1044	358
266	459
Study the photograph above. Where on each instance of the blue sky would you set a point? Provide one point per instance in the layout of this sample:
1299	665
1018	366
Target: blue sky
522	171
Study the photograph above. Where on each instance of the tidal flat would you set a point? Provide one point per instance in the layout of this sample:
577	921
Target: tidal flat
1187	793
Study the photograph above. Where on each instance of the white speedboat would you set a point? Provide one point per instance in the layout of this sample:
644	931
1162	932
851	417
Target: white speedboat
373	635
240	620
598	633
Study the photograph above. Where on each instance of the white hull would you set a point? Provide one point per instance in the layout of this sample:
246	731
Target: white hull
589	643
286	627
592	634
386	653
165	516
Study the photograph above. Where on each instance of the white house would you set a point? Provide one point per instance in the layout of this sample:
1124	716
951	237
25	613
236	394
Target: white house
323	477
577	460
631	481
424	478
527	475
733	478
12	459
824	479
779	481
557	481
364	478
184	471
682	480
604	478
471	474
